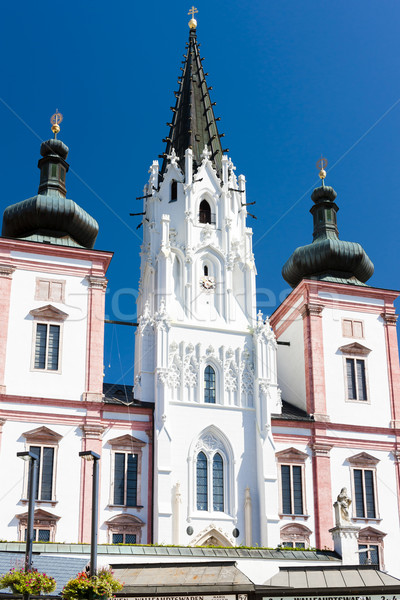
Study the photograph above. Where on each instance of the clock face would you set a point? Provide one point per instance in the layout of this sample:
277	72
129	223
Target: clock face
207	283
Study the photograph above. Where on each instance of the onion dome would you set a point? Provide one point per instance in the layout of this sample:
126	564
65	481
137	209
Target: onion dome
49	216
328	258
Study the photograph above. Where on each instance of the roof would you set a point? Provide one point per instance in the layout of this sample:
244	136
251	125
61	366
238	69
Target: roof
173	578
184	551
290	412
193	124
343	578
118	393
60	567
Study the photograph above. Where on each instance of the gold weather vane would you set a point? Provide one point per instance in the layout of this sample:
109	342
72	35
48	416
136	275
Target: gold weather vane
193	22
55	121
322	163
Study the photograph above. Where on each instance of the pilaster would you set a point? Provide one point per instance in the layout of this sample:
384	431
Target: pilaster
314	360
322	492
95	339
392	353
91	440
6	272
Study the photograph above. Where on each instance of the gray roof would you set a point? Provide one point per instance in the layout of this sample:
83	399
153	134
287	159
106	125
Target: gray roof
233	553
344	578
172	578
59	567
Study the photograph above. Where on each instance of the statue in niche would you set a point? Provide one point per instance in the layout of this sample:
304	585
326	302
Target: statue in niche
342	506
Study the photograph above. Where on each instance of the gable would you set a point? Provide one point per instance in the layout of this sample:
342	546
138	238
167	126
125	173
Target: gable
48	312
363	460
126	442
42	435
291	455
355	349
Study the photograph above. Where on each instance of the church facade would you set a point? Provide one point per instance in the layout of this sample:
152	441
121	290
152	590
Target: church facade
239	430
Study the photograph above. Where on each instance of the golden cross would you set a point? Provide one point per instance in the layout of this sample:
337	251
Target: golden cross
193	11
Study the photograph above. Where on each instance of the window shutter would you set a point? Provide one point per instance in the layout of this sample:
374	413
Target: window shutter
357	329
361	381
119	478
218	483
201	482
351	379
286	493
297	491
53	349
40	346
47	474
358	490
347	328
369	494
131	480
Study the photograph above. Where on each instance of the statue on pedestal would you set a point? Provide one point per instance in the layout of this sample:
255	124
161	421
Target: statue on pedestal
342	506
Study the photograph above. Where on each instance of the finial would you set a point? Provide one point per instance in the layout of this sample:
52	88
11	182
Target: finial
321	165
55	120
192	23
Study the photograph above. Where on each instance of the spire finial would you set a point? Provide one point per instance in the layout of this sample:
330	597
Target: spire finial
55	121
321	165
193	23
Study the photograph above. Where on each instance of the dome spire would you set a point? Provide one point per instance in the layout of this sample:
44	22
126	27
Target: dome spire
55	120
328	258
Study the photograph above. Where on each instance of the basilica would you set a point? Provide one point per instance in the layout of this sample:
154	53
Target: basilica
239	429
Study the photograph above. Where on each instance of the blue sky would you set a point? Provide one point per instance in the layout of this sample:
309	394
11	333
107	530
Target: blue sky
291	80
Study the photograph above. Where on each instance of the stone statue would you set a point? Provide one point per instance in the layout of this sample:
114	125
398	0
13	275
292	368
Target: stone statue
342	508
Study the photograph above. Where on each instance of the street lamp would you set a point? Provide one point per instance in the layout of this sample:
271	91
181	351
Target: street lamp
92	456
32	483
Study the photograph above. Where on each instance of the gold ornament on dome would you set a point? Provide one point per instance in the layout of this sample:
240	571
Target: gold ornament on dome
55	121
322	163
193	22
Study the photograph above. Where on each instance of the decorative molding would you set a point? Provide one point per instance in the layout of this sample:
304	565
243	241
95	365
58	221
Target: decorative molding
389	318
93	431
370	535
321	448
127	442
49	312
363	460
97	283
42	435
355	349
6	271
291	455
310	309
41	517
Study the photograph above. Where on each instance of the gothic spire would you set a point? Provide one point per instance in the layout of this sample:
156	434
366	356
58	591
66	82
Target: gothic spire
193	124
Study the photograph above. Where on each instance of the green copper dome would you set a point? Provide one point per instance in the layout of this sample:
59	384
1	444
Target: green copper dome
49	216
328	258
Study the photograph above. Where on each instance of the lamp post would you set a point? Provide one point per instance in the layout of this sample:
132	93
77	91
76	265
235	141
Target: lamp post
32	483
89	455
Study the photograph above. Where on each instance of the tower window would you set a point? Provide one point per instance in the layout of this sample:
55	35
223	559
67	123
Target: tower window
205	270
205	214
53	170
209	385
47	345
174	191
364	488
218	483
292	489
44	472
210	469
125	478
202	483
356	379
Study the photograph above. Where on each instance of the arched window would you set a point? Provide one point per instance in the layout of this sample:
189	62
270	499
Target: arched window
205	215
174	191
202	482
218	483
205	270
209	385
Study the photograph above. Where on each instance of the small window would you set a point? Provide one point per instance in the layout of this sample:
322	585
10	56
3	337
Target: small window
364	491
39	535
370	554
124	538
53	170
50	289
209	385
356	379
295	535
294	544
292	489
62	174
205	215
352	328
174	191
205	270
218	483
47	347
125	479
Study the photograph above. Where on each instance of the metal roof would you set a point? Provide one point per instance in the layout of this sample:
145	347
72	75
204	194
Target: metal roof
175	578
340	578
60	567
184	551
